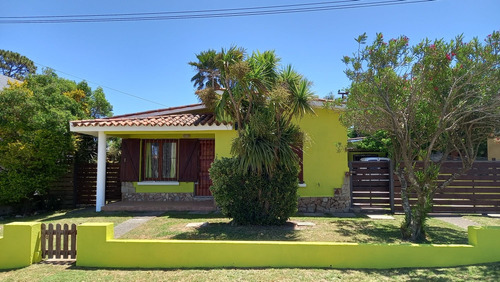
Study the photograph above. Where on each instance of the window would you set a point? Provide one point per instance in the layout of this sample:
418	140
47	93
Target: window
160	159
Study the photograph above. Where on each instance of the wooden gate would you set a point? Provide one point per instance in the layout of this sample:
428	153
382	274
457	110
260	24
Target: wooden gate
371	186
477	191
207	156
58	242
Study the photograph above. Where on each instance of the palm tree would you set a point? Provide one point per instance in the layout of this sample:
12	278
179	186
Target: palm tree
261	100
208	73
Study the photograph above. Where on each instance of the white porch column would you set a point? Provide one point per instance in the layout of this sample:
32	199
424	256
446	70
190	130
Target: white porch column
101	172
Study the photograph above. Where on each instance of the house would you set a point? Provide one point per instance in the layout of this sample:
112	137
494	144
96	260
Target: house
494	148
4	81
166	155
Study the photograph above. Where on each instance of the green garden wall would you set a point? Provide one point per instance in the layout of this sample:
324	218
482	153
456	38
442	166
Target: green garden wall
97	248
20	245
183	187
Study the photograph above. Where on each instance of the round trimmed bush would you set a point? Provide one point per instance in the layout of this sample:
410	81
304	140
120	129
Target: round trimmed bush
252	199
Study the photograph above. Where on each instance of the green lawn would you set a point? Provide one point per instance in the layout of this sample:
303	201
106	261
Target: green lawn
46	272
329	229
77	216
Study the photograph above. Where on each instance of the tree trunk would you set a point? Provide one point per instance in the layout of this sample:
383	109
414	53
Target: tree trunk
405	202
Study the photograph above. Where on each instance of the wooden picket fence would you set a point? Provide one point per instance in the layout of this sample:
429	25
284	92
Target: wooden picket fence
59	241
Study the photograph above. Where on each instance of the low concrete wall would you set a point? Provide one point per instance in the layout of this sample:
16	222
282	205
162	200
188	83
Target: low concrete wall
20	245
97	248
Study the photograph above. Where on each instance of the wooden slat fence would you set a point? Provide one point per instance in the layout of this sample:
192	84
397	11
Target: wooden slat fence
62	191
58	242
478	191
86	180
371	186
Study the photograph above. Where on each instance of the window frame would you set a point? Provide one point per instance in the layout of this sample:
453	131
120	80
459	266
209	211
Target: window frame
161	142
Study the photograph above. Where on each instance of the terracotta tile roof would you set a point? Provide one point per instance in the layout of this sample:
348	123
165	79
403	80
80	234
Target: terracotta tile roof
175	116
165	120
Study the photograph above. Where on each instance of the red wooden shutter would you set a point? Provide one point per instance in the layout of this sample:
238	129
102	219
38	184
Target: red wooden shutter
130	159
300	155
189	149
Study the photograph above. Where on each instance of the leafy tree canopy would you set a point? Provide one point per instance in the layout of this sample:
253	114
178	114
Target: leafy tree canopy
433	96
15	65
35	142
376	142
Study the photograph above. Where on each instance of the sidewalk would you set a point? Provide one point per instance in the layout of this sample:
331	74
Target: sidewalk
133	223
457	220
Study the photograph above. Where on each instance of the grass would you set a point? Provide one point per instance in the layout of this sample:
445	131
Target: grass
328	229
77	216
48	272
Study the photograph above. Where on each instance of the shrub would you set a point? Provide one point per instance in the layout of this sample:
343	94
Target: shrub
252	199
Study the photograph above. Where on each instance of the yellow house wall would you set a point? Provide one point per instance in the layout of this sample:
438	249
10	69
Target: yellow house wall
493	149
223	141
97	248
324	157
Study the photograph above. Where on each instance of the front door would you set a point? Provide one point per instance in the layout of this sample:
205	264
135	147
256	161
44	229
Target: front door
207	156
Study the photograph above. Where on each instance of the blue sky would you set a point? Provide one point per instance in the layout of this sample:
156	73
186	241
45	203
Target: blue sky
149	59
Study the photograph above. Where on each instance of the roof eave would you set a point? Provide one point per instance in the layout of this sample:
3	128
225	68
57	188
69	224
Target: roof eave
95	129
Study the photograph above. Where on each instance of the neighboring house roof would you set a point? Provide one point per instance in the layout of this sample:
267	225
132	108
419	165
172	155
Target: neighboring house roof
4	81
172	110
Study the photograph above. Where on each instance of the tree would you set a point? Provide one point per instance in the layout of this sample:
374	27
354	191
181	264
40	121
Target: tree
208	73
261	101
36	146
15	65
95	105
376	142
435	96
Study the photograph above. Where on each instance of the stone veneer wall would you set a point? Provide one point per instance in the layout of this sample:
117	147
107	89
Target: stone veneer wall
157	197
129	194
340	202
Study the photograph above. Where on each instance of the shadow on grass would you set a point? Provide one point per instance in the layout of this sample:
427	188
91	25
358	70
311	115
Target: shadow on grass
485	272
369	231
444	235
226	231
76	213
192	215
